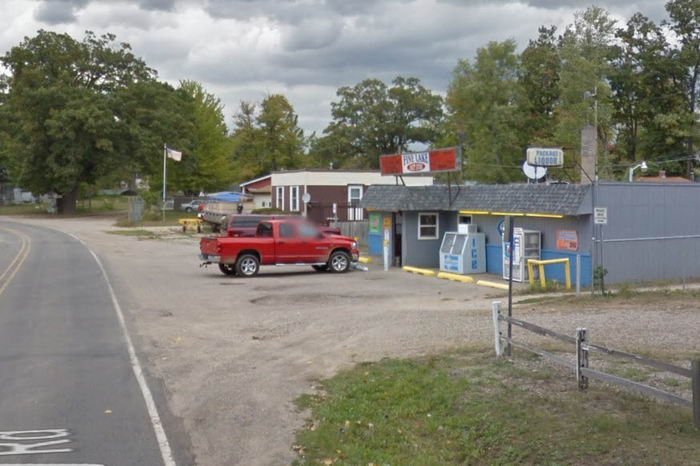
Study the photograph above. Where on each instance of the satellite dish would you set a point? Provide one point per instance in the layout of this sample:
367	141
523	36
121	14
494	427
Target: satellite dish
306	198
534	173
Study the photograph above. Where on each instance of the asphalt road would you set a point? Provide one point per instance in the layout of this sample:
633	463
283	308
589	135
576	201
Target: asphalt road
69	392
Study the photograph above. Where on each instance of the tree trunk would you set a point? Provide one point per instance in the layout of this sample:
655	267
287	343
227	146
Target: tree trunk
66	204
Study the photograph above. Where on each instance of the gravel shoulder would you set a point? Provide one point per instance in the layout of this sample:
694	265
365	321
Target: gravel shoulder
233	354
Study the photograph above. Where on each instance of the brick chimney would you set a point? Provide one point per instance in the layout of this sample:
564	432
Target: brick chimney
589	152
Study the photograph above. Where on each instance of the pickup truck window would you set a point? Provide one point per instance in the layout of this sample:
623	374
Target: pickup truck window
264	229
286	230
307	231
245	221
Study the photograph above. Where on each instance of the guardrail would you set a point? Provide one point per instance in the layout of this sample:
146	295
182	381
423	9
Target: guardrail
581	366
541	264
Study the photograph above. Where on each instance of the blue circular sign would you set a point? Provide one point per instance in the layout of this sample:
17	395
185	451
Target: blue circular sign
500	227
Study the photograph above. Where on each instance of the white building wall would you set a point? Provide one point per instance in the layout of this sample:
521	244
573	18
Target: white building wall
342	178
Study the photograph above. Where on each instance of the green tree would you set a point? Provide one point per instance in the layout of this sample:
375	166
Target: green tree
371	119
481	100
685	23
647	93
539	81
585	50
61	94
267	137
206	165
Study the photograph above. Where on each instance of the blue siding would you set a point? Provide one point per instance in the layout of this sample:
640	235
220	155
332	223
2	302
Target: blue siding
494	261
556	271
494	264
376	244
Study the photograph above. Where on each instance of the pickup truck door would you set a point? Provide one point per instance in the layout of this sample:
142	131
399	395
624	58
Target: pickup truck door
315	245
288	244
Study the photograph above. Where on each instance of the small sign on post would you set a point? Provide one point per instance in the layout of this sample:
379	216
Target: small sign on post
600	215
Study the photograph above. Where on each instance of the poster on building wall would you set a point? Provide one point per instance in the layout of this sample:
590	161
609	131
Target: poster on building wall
567	240
375	223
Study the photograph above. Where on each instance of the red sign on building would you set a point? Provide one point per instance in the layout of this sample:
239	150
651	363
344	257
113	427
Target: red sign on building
414	163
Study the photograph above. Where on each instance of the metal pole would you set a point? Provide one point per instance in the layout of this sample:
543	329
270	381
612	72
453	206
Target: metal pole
165	174
510	286
695	374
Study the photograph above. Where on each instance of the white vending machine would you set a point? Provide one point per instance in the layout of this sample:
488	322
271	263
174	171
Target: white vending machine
526	245
463	252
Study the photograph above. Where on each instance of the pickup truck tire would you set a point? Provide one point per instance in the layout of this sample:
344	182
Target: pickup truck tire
247	265
339	262
320	268
227	269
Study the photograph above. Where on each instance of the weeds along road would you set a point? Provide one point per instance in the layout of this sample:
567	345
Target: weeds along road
71	388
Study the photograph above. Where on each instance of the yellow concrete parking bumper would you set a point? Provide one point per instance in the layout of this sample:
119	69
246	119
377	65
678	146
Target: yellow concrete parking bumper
365	260
426	272
455	277
500	286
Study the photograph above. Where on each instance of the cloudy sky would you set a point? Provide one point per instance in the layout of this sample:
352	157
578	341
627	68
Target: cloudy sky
306	49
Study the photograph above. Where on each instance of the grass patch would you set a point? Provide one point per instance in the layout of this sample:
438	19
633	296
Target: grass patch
472	409
626	296
141	234
155	219
23	209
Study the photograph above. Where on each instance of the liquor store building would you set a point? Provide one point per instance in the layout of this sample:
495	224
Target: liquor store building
641	231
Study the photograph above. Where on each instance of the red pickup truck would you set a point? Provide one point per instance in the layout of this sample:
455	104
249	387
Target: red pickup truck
280	242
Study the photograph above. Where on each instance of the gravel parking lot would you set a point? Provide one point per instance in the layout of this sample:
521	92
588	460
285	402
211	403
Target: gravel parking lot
234	353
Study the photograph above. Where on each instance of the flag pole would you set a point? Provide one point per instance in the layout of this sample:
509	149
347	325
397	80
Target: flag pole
165	173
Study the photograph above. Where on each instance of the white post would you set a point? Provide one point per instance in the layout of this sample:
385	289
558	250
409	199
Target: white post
387	255
165	174
495	313
578	274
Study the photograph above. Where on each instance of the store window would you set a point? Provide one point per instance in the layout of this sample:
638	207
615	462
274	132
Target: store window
279	202
464	219
294	198
428	225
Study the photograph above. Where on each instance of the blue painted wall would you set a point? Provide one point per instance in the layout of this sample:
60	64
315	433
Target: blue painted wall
494	264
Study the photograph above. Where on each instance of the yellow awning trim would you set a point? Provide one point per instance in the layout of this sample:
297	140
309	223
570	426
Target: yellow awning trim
512	214
474	212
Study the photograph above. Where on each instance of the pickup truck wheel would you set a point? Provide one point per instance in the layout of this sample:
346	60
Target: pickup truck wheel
227	269
247	265
320	268
339	262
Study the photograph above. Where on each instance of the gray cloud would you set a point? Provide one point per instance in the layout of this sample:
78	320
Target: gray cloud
306	49
58	11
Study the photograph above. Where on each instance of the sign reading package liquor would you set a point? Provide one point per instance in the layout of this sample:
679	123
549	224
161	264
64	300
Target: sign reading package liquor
416	163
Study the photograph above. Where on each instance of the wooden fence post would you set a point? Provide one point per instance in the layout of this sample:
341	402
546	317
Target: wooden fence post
496	314
581	357
695	374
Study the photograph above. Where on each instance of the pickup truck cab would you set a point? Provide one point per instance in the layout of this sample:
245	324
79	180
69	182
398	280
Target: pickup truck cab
246	224
280	242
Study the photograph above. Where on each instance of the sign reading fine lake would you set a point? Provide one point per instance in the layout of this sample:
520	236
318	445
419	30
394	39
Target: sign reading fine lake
545	157
416	163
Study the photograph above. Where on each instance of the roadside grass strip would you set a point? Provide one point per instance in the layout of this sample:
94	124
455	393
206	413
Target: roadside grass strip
426	272
500	286
467	407
455	277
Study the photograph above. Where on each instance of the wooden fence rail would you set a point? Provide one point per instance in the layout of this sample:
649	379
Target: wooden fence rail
583	372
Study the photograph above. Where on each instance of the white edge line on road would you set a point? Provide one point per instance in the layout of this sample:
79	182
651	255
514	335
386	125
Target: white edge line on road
162	438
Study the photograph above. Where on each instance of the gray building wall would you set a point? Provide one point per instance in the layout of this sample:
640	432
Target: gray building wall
424	252
653	231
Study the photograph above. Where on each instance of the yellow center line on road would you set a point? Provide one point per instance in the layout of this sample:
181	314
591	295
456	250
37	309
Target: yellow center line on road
10	272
